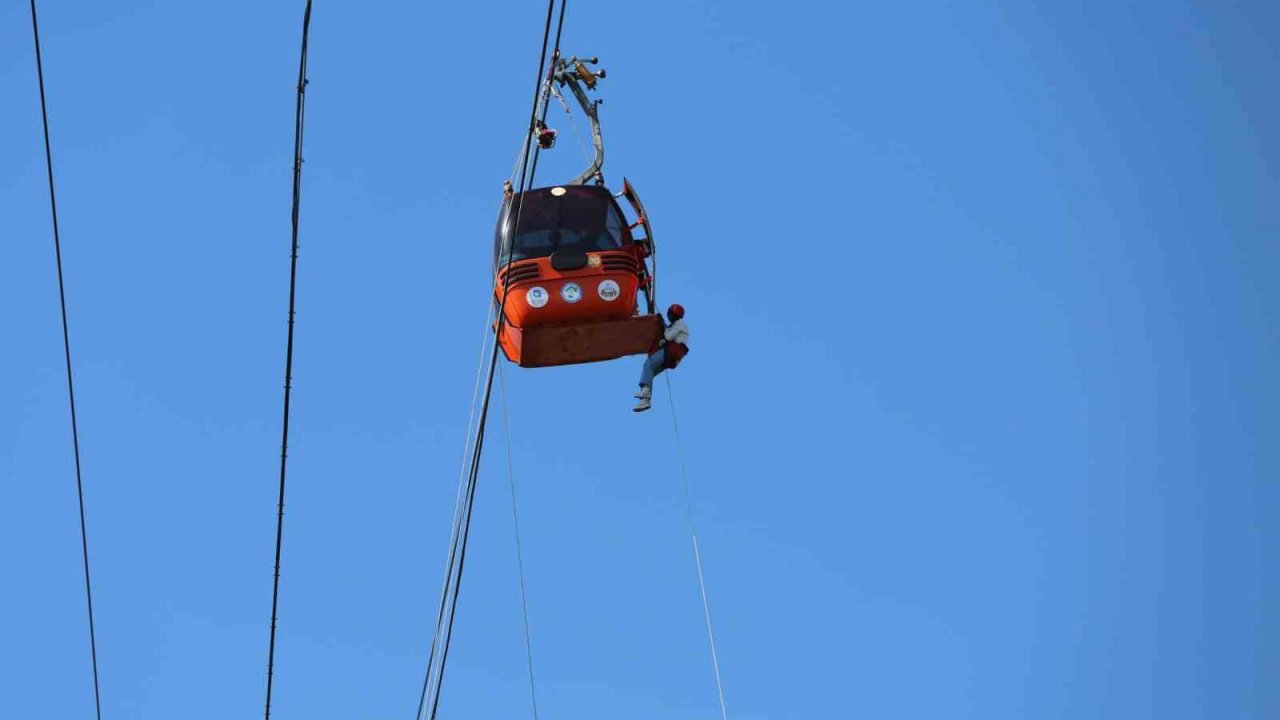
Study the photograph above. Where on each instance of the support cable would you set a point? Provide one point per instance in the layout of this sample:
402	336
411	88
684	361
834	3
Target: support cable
288	361
551	69
66	347
544	92
447	583
515	522
444	625
471	417
697	553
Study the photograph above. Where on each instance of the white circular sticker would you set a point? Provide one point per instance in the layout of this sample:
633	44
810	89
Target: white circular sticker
609	290
536	297
571	292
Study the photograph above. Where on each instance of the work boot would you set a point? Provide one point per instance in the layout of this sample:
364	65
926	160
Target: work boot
645	392
643	405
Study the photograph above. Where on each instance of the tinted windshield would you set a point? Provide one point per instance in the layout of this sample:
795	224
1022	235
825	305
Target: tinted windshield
580	218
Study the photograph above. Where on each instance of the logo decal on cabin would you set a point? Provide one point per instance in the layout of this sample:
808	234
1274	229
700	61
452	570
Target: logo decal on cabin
536	297
609	290
571	292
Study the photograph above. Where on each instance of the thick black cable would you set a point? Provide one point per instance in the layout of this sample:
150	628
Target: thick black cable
66	347
288	356
555	56
444	634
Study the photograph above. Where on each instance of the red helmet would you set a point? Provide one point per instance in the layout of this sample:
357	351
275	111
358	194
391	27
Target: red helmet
675	312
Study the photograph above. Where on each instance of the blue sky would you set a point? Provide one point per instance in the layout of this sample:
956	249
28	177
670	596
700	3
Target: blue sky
980	412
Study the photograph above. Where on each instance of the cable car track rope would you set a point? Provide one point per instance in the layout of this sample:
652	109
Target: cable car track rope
288	357
438	655
446	583
66	347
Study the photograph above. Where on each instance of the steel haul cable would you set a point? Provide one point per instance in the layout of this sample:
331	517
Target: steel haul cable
288	361
555	55
66	346
434	680
447	583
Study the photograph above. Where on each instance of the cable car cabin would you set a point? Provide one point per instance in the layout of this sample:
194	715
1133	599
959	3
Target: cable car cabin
572	271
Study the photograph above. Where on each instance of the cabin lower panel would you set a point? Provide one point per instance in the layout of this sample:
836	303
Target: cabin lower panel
548	345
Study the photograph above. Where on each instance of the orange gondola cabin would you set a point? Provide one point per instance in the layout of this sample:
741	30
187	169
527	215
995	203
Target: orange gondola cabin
572	266
573	272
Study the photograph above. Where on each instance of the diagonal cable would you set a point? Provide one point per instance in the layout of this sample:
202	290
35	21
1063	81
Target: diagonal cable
66	346
515	522
457	508
288	361
697	553
440	643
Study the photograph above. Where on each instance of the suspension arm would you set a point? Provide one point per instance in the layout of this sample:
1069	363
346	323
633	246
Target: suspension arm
574	73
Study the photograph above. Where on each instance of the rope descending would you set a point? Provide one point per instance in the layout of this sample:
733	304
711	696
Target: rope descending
697	553
515	522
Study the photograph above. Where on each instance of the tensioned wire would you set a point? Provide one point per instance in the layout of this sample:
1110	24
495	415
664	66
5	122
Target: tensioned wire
288	362
515	522
697	552
444	625
457	501
582	145
66	347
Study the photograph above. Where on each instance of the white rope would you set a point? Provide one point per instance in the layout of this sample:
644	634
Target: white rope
515	520
462	473
475	394
524	148
581	143
697	553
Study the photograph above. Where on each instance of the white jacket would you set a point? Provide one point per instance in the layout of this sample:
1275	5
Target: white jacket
677	332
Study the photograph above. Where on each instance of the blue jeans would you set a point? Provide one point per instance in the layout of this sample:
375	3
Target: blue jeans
652	367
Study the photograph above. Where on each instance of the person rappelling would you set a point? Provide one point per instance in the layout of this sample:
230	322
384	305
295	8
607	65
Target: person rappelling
672	348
